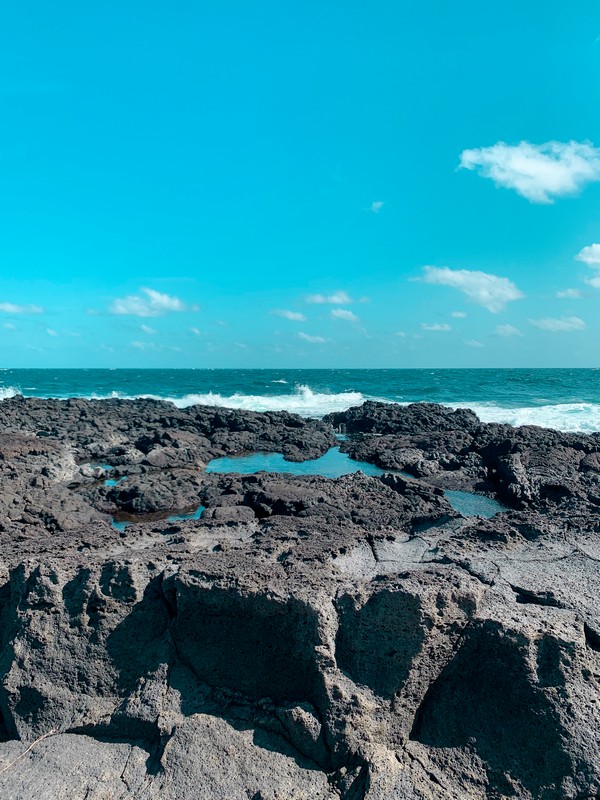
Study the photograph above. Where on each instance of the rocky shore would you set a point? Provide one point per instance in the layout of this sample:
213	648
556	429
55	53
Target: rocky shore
305	638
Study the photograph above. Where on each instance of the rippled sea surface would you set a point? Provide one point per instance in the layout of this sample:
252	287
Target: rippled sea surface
557	398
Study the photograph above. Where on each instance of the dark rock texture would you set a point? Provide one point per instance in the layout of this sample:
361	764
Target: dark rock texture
306	638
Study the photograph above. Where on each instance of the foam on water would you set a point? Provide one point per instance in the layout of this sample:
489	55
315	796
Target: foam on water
303	401
561	399
571	417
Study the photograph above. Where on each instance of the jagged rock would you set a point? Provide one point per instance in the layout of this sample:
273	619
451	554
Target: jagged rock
306	637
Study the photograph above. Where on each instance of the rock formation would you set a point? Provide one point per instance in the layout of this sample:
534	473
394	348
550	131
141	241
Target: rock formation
306	638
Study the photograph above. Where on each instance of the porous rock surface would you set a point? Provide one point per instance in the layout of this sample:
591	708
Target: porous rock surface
305	638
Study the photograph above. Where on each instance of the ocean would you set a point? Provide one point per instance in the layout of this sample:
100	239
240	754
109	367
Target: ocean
565	399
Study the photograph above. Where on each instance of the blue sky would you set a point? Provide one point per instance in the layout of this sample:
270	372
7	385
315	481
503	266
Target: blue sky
279	184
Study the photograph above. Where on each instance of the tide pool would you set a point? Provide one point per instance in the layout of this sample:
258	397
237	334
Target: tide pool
334	464
470	504
331	465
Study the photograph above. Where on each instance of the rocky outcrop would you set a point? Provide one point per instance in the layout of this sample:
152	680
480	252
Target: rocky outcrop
305	638
527	467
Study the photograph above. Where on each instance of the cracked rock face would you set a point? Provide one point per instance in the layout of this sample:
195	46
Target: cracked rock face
306	637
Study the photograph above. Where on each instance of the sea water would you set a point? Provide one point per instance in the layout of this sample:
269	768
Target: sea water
565	399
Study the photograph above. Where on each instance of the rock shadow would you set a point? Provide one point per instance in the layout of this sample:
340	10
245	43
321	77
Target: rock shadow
248	643
377	642
486	699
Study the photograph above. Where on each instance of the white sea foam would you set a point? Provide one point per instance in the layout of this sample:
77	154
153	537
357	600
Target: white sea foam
303	401
571	417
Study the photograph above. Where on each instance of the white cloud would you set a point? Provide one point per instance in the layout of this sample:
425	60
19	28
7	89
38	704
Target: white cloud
402	334
12	308
590	255
376	206
145	346
295	316
51	332
486	290
436	326
562	324
342	313
458	314
149	303
539	173
569	294
507	330
312	339
474	343
147	330
339	298
195	331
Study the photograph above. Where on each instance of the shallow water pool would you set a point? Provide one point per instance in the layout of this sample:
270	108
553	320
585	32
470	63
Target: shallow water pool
470	504
183	517
332	465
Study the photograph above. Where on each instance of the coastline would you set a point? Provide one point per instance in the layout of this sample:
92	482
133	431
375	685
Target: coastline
349	637
562	399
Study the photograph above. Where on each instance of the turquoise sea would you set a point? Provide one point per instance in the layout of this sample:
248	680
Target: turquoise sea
566	399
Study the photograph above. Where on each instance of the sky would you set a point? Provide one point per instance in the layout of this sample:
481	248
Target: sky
297	183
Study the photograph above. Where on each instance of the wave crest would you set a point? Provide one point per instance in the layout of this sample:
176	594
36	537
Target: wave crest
304	401
568	417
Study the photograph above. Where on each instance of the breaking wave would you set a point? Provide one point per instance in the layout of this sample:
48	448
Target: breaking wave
568	417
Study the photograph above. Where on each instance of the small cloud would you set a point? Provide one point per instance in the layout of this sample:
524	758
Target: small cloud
507	330
147	330
196	331
241	345
474	343
569	294
490	291
342	313
376	206
401	334
51	332
436	326
147	346
149	303
312	339
10	326
339	298
12	308
364	299
590	255
458	314
562	324
295	316
539	173
595	282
